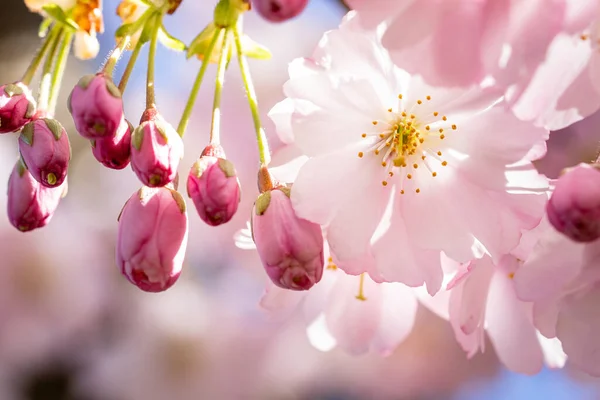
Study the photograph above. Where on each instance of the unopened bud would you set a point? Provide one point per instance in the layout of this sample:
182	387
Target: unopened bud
17	107
214	187
156	150
30	205
45	149
114	152
152	238
290	248
574	207
279	10
96	106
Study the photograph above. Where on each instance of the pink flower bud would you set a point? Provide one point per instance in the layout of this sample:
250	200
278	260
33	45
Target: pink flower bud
290	248
279	10
574	207
156	150
114	151
44	146
17	107
96	106
30	205
152	238
214	187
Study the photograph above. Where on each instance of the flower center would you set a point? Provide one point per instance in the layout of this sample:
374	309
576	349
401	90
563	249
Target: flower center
408	139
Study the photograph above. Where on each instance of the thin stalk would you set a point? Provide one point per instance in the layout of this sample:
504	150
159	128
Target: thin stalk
261	137
215	127
46	81
37	59
115	56
130	64
187	112
59	70
150	93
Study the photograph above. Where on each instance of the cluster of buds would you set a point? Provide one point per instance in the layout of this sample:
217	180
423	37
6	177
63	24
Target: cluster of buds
38	180
153	225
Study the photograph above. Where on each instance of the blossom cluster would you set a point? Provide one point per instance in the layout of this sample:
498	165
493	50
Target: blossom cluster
408	175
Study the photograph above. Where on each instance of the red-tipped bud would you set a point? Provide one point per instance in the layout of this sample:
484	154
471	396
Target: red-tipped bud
214	187
96	106
114	152
44	146
152	238
290	248
17	107
156	150
30	205
574	207
279	10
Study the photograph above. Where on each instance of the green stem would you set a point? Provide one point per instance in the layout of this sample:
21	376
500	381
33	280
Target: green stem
261	138
130	65
37	59
215	126
59	70
150	93
115	55
46	81
187	112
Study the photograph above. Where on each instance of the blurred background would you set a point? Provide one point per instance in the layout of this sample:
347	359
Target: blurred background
71	327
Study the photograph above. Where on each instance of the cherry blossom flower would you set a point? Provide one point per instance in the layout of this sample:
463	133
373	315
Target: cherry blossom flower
562	279
482	299
452	165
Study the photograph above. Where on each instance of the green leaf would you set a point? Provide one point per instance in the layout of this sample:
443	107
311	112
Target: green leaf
44	26
58	15
170	41
254	50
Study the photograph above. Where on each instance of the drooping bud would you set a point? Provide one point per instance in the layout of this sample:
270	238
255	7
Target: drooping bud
17	107
44	146
290	248
574	207
279	10
156	150
213	186
152	238
96	106
114	152
30	205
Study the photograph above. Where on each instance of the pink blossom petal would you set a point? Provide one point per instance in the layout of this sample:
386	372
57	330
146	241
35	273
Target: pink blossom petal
545	316
353	322
510	328
320	196
471	312
280	300
281	115
398	260
541	100
457	44
321	122
579	328
370	10
397	317
554	262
